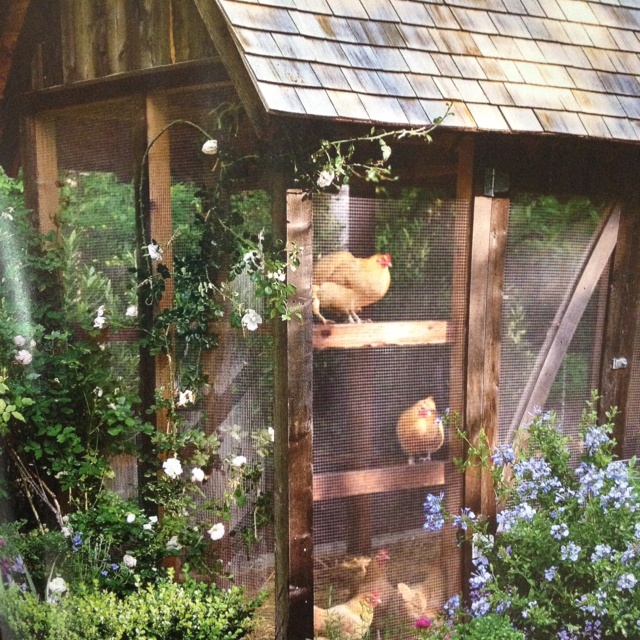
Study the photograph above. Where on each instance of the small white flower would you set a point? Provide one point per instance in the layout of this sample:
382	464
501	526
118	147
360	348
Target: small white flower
172	467
129	561
197	474
131	517
253	260
217	531
325	178
99	322
19	341
154	251
173	544
57	585
272	434
147	526
66	532
23	357
278	275
185	398
210	147
238	461
98	392
132	311
32	344
7	214
153	519
251	320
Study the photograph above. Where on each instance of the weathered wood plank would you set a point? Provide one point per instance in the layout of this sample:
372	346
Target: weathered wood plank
154	33
380	334
300	370
77	40
190	38
118	18
341	484
40	162
621	320
566	321
9	33
160	223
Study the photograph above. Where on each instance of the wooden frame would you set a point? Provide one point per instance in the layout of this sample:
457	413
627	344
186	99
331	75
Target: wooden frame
293	423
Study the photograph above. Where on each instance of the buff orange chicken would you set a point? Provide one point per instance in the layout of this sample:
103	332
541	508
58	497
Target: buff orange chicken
346	284
350	620
420	431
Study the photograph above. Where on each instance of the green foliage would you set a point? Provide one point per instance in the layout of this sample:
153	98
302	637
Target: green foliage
492	626
161	611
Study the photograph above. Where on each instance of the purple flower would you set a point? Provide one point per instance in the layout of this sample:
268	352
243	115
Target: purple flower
550	573
434	519
77	541
594	439
451	605
504	455
462	521
570	551
601	552
559	531
627	581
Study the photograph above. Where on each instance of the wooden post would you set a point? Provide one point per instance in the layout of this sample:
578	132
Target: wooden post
621	321
41	171
489	236
293	415
160	223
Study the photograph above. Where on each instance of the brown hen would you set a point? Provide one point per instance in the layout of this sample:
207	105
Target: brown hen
419	430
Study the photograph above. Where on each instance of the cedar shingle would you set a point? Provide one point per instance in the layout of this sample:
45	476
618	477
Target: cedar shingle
470	90
417	37
380	10
348	8
626	40
622	129
316	102
521	119
448	89
396	84
577	34
412	12
560	122
476	21
424	86
348	105
488	117
384	109
510	25
413	111
330	76
435	109
533	8
598	103
258	42
382	33
269	18
295	47
586	79
442	16
364	81
420	62
446	65
279	98
631	106
459	116
578	11
496	93
469	67
595	126
535	97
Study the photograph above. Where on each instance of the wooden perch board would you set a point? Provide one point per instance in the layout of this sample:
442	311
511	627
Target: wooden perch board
340	484
379	334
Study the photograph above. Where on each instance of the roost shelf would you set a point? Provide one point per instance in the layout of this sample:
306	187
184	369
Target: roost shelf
380	334
341	484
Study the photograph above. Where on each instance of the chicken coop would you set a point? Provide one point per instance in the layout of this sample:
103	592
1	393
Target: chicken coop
498	273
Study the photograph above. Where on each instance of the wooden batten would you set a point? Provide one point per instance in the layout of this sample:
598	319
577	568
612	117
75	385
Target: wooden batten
621	323
490	219
159	220
78	35
293	411
40	164
117	40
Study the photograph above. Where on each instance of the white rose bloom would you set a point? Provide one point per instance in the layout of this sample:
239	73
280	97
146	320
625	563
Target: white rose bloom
57	585
217	531
210	147
185	398
173	544
197	474
6	215
147	526
238	461
23	357
66	532
251	320
172	467
272	434
153	519
131	517
132	311
98	391
154	251
129	561
19	341
99	322
325	178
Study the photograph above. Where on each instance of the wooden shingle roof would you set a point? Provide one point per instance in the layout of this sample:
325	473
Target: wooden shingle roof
554	66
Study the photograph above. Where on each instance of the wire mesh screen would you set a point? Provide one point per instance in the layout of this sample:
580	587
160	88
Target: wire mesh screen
632	433
546	247
385	370
237	403
95	156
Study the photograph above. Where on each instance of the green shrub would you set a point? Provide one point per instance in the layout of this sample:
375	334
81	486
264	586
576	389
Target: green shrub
491	627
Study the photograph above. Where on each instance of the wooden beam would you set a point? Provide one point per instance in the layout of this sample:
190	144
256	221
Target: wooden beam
340	484
9	34
216	25
380	334
160	225
293	415
41	171
490	220
621	322
566	321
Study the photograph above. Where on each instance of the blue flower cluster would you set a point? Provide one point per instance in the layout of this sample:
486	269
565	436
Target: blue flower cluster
434	518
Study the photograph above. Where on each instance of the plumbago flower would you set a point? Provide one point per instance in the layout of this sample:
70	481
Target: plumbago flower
565	562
